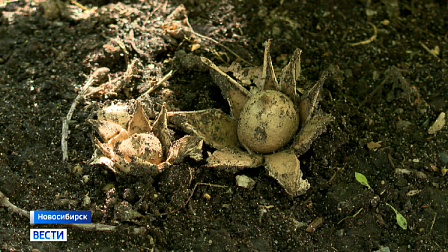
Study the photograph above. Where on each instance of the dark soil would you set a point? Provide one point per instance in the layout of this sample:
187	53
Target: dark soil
389	89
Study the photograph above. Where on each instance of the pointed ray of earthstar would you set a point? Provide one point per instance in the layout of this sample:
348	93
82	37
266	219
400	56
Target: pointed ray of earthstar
233	159
310	131
285	168
235	94
160	130
186	146
268	74
290	76
139	123
310	99
105	129
214	126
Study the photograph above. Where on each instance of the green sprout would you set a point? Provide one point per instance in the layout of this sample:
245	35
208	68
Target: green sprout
353	216
400	218
362	179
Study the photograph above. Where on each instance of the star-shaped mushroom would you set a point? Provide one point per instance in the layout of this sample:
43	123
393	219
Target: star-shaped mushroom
132	142
271	127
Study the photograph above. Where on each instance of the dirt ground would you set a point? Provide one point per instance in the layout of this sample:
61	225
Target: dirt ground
389	85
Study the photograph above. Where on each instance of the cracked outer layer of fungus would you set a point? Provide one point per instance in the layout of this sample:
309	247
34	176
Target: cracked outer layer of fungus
130	142
271	127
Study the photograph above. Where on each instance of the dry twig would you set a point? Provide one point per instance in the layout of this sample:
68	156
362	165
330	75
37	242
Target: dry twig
158	84
375	32
433	221
429	50
98	74
4	202
216	42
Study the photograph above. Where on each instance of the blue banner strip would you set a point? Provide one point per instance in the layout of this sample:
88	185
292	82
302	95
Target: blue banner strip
60	217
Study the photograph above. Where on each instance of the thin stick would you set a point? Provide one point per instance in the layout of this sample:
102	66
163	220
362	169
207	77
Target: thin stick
428	50
96	75
80	5
4	202
390	160
93	227
376	90
3	4
375	32
216	42
433	221
158	84
211	49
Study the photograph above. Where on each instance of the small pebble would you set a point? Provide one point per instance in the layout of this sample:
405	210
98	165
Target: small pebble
403	124
86	201
443	157
107	187
245	181
383	249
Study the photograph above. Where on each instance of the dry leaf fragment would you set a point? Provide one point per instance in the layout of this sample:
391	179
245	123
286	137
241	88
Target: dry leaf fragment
433	167
438	124
314	224
374	145
413	192
245	182
195	47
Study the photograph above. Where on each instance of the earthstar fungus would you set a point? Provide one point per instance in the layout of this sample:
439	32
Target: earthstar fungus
128	142
270	127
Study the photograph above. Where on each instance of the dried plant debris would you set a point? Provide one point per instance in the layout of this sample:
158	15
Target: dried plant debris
129	142
438	124
401	88
106	87
270	126
374	145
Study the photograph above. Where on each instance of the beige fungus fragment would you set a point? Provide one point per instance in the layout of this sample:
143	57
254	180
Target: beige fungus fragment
438	124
